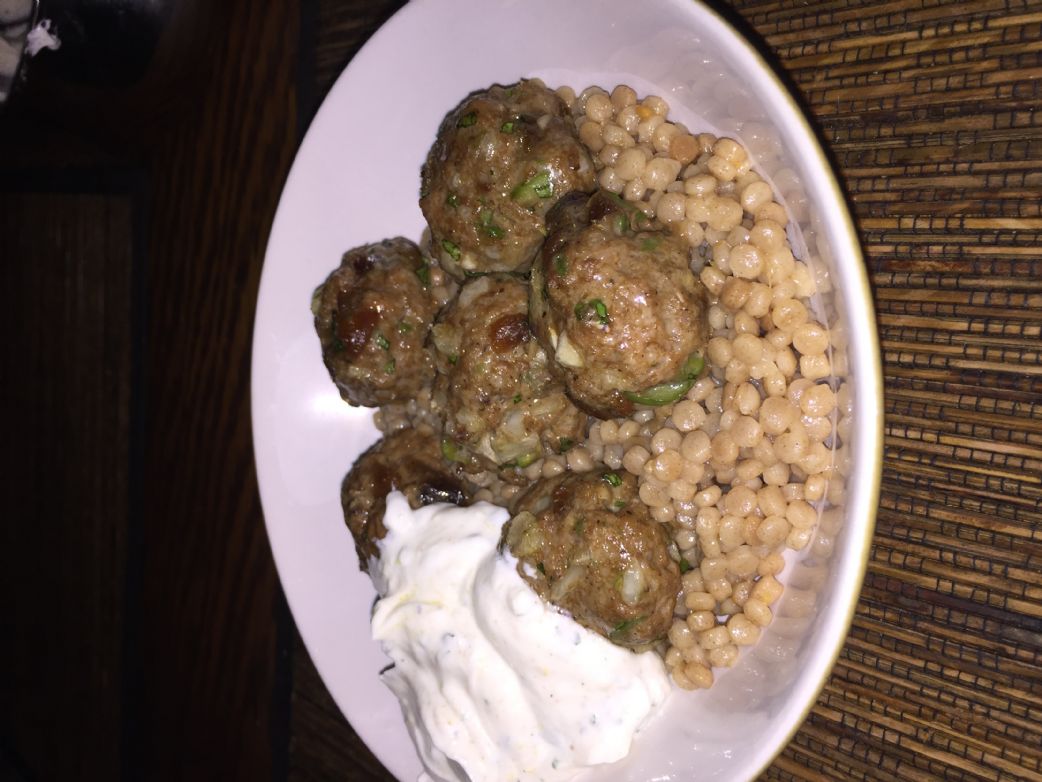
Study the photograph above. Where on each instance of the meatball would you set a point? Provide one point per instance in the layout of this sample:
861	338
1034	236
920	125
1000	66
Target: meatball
408	461
372	316
501	406
501	159
616	306
586	543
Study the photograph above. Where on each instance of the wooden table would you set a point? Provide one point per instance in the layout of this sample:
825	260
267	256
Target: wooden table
145	636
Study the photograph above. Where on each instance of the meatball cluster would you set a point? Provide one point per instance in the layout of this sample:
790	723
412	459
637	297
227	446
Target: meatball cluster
586	543
501	160
407	461
539	301
372	315
617	306
502	407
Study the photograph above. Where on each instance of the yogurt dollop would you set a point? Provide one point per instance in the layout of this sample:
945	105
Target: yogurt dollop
494	683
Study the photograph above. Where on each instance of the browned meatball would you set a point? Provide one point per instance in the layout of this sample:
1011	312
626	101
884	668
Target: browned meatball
500	404
372	316
616	306
501	159
586	543
408	461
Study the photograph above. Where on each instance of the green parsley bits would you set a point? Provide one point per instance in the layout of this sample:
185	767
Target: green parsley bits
594	309
662	394
529	193
561	264
451	249
564	443
526	459
451	451
522	461
452	200
487	221
623	629
424	273
542	185
467	120
693	366
670	391
381	341
507	127
612	478
390	366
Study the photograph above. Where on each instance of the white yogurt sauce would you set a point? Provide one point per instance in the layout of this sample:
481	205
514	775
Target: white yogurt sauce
496	685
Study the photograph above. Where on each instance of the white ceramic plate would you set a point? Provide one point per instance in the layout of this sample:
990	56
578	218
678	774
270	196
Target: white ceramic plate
356	180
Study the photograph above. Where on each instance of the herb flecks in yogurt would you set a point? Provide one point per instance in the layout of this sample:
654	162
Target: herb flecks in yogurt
492	680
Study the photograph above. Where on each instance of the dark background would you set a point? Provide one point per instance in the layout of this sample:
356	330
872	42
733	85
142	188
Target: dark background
144	635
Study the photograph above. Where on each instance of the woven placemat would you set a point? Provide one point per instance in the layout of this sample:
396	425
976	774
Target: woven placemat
932	111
